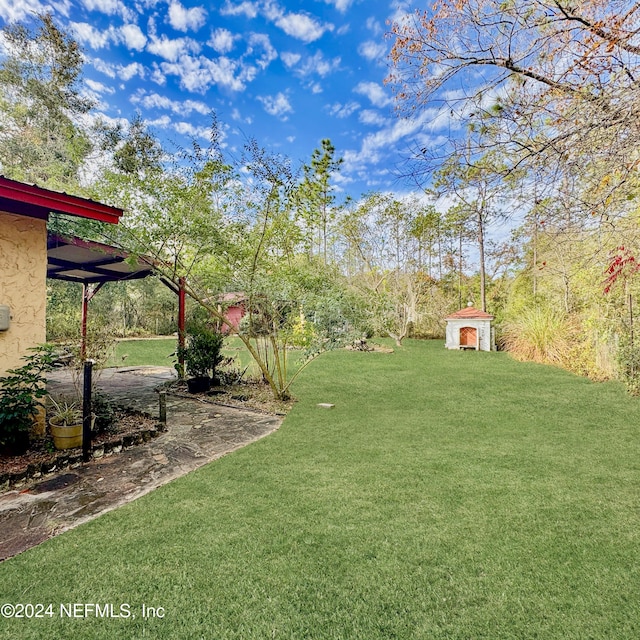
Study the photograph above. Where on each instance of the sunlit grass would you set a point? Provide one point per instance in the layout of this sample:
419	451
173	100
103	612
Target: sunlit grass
447	495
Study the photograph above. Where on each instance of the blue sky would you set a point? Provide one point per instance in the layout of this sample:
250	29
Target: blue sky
285	72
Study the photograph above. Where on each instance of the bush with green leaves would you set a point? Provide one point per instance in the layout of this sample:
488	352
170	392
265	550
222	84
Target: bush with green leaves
202	353
20	394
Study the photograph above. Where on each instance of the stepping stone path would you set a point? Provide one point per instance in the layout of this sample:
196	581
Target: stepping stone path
197	433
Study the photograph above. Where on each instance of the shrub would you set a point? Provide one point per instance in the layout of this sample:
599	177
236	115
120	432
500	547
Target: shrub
20	394
202	353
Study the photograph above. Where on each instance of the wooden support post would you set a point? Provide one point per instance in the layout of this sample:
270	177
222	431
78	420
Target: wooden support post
83	330
162	413
86	411
181	324
87	295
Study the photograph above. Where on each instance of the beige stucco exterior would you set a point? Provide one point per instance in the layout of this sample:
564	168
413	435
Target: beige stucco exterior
23	285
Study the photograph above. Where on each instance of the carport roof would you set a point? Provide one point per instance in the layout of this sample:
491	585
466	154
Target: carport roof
78	260
36	202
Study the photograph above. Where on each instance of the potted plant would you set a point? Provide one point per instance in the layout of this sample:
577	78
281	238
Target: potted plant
202	354
20	404
65	421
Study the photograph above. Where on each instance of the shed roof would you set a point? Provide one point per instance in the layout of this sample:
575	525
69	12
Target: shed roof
36	202
469	313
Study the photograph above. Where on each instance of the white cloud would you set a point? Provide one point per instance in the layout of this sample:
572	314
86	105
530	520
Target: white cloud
375	93
123	72
105	67
172	50
319	65
343	110
184	19
198	74
340	5
221	40
157	101
109	8
374	26
261	41
98	87
12	11
89	35
132	36
301	26
277	105
290	59
129	34
371	117
248	9
163	122
376	146
126	72
373	50
187	129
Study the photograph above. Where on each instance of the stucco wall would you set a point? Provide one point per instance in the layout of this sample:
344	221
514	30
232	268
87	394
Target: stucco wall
23	271
483	327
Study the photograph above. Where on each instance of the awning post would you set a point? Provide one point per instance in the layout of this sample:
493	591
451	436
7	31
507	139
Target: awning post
181	324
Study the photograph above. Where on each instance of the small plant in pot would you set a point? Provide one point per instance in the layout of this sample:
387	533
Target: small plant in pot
65	421
202	355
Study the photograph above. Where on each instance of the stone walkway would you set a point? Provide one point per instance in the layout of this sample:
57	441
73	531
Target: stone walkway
197	433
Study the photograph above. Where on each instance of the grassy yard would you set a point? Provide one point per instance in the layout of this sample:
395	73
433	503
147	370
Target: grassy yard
448	495
133	353
159	352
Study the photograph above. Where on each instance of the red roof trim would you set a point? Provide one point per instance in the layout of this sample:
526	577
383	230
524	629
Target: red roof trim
15	195
470	312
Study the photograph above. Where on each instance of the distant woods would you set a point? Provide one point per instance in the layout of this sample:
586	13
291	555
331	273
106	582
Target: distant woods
545	145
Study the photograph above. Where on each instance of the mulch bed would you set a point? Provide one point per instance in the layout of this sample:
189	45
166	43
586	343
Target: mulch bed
255	396
130	428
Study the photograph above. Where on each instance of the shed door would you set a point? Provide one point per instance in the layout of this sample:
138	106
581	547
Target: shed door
468	337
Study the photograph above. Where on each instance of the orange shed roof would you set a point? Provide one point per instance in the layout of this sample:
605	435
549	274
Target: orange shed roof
468	313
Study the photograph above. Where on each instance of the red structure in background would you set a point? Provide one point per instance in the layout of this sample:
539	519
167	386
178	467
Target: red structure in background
235	306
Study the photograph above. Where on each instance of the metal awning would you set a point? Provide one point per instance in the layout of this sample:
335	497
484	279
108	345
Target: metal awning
93	264
88	262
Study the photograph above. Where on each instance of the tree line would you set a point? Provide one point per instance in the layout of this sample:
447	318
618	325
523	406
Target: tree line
546	141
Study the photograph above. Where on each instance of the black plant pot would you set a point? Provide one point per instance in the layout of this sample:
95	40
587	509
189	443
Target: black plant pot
18	444
199	384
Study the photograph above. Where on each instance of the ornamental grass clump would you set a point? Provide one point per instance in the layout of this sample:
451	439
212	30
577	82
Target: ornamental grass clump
539	334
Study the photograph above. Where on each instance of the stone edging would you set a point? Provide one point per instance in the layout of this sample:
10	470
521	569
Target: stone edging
66	460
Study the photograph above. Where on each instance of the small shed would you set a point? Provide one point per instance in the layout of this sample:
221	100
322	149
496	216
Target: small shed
234	305
470	328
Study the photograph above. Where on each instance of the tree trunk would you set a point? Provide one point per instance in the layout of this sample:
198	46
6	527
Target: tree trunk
483	285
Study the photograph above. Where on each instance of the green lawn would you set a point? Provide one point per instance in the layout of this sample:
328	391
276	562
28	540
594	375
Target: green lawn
159	352
448	495
133	353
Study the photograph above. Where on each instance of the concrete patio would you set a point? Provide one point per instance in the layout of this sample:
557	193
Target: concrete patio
197	433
